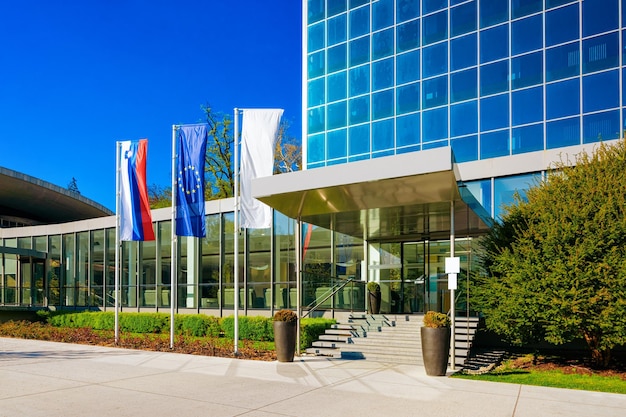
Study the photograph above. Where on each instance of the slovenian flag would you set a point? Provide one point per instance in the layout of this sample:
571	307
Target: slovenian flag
190	180
135	216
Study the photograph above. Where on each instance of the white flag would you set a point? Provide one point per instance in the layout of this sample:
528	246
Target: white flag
258	138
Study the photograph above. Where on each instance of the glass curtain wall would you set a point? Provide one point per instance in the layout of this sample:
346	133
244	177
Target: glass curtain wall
210	276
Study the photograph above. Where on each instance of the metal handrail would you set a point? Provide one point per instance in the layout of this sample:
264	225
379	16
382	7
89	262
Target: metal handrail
331	294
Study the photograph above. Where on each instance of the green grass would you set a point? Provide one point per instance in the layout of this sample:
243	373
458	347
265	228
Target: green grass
556	379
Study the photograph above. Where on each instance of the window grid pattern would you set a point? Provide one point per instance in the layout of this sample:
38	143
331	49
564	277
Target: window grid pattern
487	77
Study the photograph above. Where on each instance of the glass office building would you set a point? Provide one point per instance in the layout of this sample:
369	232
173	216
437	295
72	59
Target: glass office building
420	120
489	78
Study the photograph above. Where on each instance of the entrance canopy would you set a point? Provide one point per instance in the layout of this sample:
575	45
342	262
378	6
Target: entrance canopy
385	198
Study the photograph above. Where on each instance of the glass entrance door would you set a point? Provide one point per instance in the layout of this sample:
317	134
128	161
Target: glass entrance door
399	268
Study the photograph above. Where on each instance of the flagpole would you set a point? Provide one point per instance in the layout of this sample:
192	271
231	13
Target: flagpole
236	233
173	249
117	240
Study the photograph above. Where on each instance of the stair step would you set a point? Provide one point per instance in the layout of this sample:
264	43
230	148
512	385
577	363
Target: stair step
335	338
335	353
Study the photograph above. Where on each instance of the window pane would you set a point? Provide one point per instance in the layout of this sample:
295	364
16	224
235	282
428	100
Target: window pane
464	118
601	126
600	53
408	36
408	67
315	10
336	7
434	92
494	78
562	25
316	64
382	73
463	19
429	6
465	149
493	12
435	124
359	140
527	70
315	38
463	85
359	80
382	14
408	130
463	52
336	115
563	133
494	112
382	44
527	139
337	58
337	86
359	51
337	28
600	16
408	98
382	104
435	59
359	22
494	144
481	190
494	43
359	110
527	106
337	144
315	92
563	62
562	99
521	8
382	135
315	148
527	34
506	187
407	9
600	91
316	120
435	27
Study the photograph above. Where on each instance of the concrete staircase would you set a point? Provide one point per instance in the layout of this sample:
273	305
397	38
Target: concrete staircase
392	338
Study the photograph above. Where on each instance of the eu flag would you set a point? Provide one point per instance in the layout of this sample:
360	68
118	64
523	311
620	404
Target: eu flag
190	180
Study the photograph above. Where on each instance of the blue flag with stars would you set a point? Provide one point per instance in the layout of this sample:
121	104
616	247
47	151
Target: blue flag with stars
190	180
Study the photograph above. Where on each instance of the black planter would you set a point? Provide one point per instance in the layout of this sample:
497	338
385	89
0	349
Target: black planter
285	340
374	302
435	349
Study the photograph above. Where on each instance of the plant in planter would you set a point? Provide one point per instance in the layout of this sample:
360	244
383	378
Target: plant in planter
373	293
435	335
285	332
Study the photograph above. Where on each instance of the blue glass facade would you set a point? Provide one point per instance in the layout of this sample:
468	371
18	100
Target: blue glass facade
490	78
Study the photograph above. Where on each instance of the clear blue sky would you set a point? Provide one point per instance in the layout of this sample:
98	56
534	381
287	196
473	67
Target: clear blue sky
76	76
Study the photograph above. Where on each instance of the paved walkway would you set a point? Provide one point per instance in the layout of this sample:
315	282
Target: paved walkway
56	379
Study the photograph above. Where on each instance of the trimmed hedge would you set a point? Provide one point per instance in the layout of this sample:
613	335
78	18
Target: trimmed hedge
254	328
311	329
250	328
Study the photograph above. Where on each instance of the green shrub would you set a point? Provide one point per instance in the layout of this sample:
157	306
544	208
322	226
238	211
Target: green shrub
198	325
311	329
144	322
250	328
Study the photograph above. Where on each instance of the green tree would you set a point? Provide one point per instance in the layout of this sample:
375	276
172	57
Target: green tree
556	264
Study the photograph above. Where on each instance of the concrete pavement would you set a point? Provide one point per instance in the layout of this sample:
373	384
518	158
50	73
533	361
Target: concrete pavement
55	379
